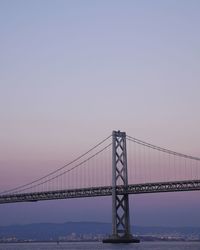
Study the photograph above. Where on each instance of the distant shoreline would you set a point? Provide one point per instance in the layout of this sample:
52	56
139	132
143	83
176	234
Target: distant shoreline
90	232
79	241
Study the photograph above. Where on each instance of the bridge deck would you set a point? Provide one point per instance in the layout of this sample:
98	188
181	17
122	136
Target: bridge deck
103	191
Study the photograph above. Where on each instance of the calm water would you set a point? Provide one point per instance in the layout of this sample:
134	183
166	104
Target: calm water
101	246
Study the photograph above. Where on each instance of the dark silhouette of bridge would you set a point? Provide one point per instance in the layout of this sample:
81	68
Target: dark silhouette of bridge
137	167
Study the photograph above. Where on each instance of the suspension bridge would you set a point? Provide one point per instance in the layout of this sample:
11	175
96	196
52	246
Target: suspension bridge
117	166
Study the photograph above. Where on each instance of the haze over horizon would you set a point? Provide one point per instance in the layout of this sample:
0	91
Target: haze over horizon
73	71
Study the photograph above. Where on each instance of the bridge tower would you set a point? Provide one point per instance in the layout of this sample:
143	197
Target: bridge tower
121	232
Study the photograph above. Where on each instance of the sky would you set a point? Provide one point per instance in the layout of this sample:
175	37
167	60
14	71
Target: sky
73	71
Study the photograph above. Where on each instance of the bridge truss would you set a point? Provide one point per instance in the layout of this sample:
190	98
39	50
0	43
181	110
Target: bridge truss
103	191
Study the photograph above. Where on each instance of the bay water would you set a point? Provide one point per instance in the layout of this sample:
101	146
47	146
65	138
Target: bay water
101	246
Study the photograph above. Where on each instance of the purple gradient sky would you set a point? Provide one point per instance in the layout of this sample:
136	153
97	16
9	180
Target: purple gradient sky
73	71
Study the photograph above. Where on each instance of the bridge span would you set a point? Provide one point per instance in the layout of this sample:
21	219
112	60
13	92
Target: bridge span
158	187
146	168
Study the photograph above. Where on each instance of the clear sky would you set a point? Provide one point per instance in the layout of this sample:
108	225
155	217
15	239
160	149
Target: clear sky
72	71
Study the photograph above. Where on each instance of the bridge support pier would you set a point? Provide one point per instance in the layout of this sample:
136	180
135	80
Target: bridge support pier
121	232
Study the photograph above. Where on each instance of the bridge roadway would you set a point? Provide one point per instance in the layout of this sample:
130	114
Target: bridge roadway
158	187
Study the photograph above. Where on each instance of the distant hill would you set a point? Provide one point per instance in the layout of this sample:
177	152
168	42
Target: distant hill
47	231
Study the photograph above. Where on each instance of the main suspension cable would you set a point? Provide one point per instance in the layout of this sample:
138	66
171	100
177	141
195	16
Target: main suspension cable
161	149
67	171
55	171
